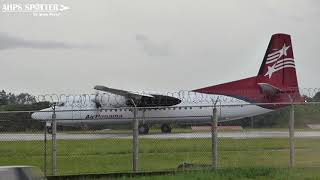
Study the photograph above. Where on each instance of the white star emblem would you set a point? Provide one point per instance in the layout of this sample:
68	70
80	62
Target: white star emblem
271	69
283	51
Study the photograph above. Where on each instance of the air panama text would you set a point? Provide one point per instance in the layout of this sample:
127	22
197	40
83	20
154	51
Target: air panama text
107	116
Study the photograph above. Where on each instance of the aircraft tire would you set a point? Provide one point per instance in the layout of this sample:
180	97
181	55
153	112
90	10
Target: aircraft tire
143	129
49	130
166	128
84	127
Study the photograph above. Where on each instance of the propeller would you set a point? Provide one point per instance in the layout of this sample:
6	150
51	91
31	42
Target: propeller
96	100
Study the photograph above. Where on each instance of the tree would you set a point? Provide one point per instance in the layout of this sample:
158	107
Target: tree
25	98
11	98
3	98
316	97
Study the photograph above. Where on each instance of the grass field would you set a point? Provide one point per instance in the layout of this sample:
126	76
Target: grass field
114	155
240	173
178	130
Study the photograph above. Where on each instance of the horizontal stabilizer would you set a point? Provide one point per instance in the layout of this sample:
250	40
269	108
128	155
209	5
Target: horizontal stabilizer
268	89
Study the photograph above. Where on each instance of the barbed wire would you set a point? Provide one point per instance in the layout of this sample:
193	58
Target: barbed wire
103	99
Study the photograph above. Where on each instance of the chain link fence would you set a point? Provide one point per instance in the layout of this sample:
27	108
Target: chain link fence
99	148
90	145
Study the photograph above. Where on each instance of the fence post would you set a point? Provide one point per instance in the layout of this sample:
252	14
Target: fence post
54	143
291	136
214	138
135	143
252	122
45	150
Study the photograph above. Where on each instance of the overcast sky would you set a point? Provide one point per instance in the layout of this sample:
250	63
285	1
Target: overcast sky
152	45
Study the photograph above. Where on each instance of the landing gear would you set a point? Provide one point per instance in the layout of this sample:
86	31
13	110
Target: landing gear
165	128
49	129
84	127
143	129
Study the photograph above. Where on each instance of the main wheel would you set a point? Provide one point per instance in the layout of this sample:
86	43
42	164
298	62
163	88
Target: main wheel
49	129
143	129
84	127
165	128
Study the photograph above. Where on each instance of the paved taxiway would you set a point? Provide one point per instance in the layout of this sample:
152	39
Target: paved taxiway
233	135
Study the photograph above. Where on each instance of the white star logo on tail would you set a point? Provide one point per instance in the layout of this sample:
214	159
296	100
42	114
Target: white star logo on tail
278	64
284	50
271	69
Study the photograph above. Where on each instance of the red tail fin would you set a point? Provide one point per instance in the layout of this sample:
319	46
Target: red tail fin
276	81
278	67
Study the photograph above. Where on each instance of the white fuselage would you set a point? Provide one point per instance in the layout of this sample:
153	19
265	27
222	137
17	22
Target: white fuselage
191	110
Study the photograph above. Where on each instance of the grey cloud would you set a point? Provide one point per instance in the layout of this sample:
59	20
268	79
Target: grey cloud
11	42
152	48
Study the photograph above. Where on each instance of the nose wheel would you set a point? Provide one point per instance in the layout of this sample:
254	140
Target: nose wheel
165	128
143	129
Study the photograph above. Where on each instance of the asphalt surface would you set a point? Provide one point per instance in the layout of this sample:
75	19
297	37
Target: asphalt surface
233	135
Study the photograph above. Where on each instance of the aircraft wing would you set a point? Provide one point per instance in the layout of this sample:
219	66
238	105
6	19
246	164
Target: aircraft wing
123	93
142	99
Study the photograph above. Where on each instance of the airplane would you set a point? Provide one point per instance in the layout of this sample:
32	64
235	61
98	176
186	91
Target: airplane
275	86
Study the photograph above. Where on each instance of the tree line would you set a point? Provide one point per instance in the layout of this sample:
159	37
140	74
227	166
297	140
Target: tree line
19	121
10	98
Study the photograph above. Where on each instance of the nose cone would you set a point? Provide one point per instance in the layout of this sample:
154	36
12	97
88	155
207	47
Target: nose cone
43	114
36	116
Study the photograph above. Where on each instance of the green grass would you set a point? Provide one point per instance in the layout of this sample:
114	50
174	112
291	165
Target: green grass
152	130
179	130
157	131
114	155
239	173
